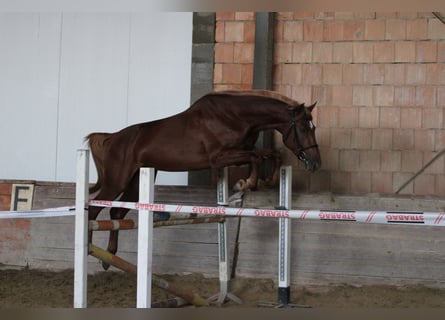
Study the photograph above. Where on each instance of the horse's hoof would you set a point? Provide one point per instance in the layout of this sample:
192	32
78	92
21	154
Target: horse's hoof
239	185
105	265
268	183
261	183
161	216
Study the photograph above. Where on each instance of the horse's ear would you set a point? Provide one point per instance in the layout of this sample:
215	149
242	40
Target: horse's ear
311	107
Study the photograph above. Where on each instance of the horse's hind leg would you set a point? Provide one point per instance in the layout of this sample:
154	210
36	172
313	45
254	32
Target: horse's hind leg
93	211
129	195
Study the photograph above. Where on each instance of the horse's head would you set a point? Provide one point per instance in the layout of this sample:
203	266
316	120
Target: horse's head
300	136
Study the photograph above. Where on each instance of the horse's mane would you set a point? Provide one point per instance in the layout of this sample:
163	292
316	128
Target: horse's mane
292	104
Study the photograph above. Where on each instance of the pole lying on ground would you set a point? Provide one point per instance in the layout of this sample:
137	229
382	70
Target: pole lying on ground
126	266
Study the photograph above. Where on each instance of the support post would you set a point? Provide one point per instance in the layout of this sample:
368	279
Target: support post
81	230
145	239
284	238
284	243
222	194
223	191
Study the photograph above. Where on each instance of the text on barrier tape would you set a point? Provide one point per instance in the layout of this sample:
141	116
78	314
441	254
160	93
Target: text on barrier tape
385	217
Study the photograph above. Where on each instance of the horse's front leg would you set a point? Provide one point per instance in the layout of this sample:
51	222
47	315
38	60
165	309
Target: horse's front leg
252	181
276	171
275	156
240	157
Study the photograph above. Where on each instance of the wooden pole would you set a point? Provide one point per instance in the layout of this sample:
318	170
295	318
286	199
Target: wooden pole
126	266
107	225
128	224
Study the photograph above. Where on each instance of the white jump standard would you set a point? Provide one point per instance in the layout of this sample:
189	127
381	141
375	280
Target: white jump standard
146	206
222	191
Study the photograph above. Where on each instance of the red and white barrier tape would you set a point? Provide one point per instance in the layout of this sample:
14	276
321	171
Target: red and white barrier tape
44	213
383	217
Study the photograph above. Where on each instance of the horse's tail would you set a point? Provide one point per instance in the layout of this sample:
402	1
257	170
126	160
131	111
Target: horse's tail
96	142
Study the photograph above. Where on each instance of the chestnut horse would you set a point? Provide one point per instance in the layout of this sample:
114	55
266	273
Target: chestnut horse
218	130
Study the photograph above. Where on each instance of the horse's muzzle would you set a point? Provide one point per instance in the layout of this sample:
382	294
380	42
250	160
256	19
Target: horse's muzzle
310	164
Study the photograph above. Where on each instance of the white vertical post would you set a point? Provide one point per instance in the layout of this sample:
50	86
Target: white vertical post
284	240
222	199
222	196
223	187
145	239
81	230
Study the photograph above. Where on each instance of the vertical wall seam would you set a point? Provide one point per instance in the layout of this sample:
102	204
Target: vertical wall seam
130	22
59	81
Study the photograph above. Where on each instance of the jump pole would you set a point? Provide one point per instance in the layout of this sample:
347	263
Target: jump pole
145	239
284	237
126	266
128	224
436	219
81	230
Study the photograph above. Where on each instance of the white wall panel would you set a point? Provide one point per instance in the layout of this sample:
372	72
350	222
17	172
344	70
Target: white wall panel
29	64
159	82
65	75
93	81
160	71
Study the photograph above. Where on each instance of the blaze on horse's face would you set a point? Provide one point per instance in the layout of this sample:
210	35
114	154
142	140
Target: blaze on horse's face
300	137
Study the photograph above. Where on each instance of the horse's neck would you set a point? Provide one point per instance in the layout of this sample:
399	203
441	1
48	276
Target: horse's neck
268	117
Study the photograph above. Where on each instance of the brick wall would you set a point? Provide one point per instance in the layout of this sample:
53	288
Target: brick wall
14	233
5	196
379	81
234	46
